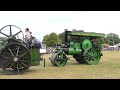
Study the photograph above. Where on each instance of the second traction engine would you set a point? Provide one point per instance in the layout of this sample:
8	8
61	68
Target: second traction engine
84	46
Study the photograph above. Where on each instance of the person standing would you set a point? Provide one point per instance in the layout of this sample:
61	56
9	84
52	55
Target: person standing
27	36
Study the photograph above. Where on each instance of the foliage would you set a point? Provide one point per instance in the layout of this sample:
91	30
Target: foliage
62	36
51	40
104	40
113	39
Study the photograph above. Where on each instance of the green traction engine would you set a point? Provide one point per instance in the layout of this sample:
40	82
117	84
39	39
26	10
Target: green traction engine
15	56
83	46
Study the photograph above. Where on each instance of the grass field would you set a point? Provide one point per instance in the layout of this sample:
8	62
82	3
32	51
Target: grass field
108	68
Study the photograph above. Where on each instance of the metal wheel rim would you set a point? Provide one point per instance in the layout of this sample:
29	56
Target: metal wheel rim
11	34
92	56
16	60
60	60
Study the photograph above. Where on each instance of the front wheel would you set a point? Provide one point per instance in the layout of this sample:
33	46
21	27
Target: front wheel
58	59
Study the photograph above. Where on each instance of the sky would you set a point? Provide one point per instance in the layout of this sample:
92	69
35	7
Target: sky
42	23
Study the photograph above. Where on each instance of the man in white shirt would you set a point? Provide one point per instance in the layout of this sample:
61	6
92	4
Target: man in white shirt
27	36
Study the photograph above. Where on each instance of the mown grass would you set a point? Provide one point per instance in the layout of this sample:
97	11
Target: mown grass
108	68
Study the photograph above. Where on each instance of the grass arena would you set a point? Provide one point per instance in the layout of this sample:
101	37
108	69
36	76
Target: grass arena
108	68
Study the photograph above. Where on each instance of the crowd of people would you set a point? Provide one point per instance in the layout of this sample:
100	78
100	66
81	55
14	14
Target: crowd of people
30	40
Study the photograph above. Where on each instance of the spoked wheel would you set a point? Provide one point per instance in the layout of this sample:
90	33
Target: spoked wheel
10	35
16	59
91	56
59	60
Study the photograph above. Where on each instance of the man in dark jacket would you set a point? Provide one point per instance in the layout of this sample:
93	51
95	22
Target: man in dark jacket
36	43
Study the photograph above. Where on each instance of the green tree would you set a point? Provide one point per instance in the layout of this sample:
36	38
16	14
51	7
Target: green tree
51	40
62	36
102	40
45	38
113	39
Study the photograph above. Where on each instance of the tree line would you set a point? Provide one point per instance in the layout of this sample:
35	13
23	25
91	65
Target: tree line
52	39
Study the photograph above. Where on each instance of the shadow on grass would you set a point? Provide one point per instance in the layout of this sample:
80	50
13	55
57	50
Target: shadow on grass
12	72
69	63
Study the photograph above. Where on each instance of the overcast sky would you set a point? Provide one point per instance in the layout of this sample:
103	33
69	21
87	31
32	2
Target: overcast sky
45	22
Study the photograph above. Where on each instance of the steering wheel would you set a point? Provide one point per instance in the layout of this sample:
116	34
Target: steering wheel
11	35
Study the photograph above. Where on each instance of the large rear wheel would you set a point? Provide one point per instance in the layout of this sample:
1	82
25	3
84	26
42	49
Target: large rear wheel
91	56
16	59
